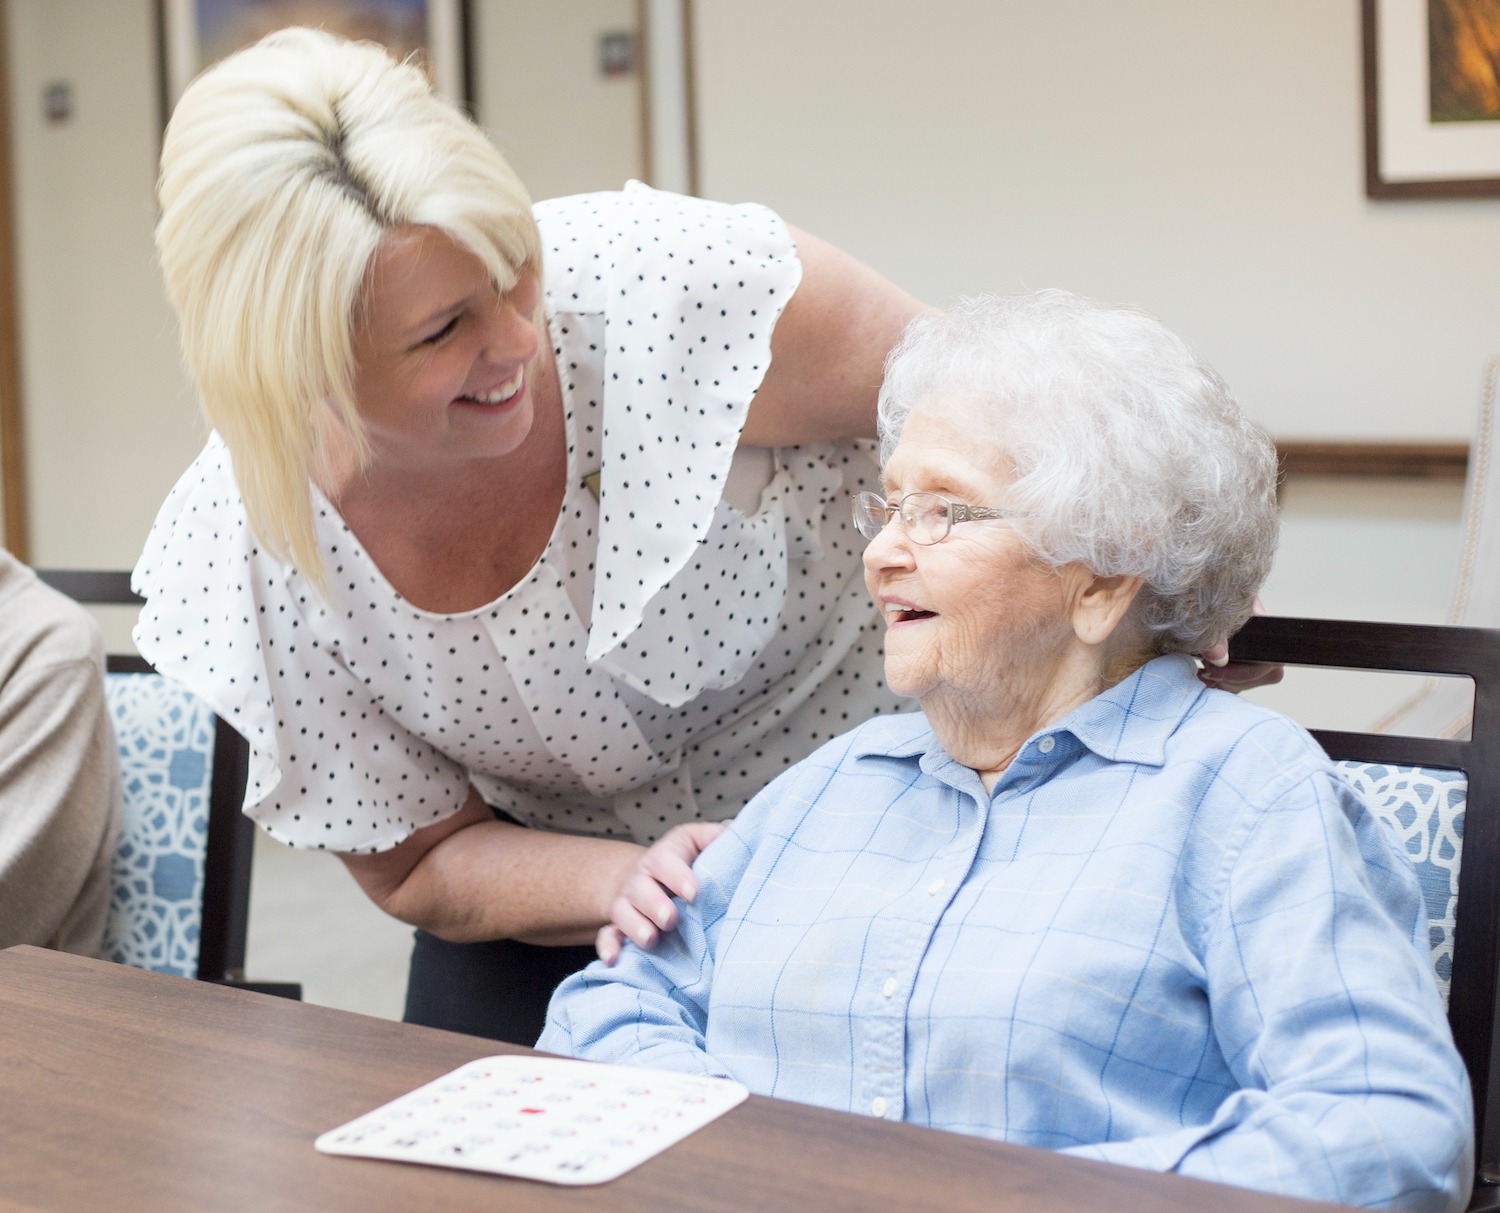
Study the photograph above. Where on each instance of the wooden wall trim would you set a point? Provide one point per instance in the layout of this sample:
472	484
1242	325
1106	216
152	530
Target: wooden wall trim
1424	460
12	435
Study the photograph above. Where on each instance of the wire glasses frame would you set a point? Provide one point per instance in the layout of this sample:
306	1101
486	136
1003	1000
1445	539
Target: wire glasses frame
927	518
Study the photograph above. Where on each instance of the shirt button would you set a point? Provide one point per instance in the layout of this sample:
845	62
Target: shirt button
880	1105
1045	744
890	987
935	887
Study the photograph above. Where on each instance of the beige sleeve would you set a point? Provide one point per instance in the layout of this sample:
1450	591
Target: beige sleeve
59	803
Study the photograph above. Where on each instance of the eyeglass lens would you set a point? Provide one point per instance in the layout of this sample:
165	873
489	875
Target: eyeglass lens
925	517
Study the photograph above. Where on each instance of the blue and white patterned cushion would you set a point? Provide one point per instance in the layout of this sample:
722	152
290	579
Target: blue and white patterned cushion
166	738
1425	807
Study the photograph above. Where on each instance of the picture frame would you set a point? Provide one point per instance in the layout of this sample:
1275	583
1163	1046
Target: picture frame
1428	131
194	33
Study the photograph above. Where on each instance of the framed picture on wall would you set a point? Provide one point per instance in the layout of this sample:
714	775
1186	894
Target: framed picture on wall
1432	98
196	33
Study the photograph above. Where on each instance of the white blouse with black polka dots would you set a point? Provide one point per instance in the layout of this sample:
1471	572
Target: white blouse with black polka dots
686	634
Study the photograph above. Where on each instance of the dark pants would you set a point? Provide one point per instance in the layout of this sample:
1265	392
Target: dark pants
497	989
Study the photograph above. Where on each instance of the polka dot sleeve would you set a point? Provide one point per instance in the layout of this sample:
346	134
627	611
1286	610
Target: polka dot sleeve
329	766
692	290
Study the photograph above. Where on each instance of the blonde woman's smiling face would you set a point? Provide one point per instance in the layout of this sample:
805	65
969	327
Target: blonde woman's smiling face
443	360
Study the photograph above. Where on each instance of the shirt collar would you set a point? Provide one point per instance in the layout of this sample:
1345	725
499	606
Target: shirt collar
1130	722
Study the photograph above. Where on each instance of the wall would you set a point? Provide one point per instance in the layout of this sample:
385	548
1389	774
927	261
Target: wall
564	126
1200	159
109	419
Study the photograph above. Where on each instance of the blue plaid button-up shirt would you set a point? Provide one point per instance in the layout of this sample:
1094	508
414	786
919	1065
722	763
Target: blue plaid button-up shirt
1171	937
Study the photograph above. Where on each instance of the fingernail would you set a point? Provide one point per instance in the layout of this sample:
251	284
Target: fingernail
1219	662
643	937
665	916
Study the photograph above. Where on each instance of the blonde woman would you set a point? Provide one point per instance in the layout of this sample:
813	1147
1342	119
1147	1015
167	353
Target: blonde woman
519	543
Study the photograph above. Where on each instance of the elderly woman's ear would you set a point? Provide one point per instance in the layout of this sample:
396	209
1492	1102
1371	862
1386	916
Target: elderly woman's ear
1100	603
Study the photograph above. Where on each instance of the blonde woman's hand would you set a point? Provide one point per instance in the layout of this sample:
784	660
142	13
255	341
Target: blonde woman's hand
1236	676
642	907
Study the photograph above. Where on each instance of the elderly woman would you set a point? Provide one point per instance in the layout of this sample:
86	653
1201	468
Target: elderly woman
1080	900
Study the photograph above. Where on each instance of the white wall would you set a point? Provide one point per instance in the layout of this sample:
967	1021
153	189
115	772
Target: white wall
1203	160
109	419
1200	159
565	127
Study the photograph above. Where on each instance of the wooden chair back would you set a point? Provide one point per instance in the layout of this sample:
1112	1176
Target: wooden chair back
1472	653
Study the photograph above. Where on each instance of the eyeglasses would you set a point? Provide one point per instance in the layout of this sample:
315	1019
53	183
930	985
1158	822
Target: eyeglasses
925	517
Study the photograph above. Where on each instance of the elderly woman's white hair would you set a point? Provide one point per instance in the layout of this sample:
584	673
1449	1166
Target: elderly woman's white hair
1130	455
282	169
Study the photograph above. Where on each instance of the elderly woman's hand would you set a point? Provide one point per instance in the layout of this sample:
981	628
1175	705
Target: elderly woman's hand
1236	676
643	907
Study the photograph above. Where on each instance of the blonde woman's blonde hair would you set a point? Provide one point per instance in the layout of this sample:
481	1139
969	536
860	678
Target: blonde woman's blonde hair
283	168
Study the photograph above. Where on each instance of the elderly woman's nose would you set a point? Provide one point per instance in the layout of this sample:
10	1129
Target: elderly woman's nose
889	548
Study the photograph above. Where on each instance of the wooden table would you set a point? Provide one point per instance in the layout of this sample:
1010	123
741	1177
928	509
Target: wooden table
122	1090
